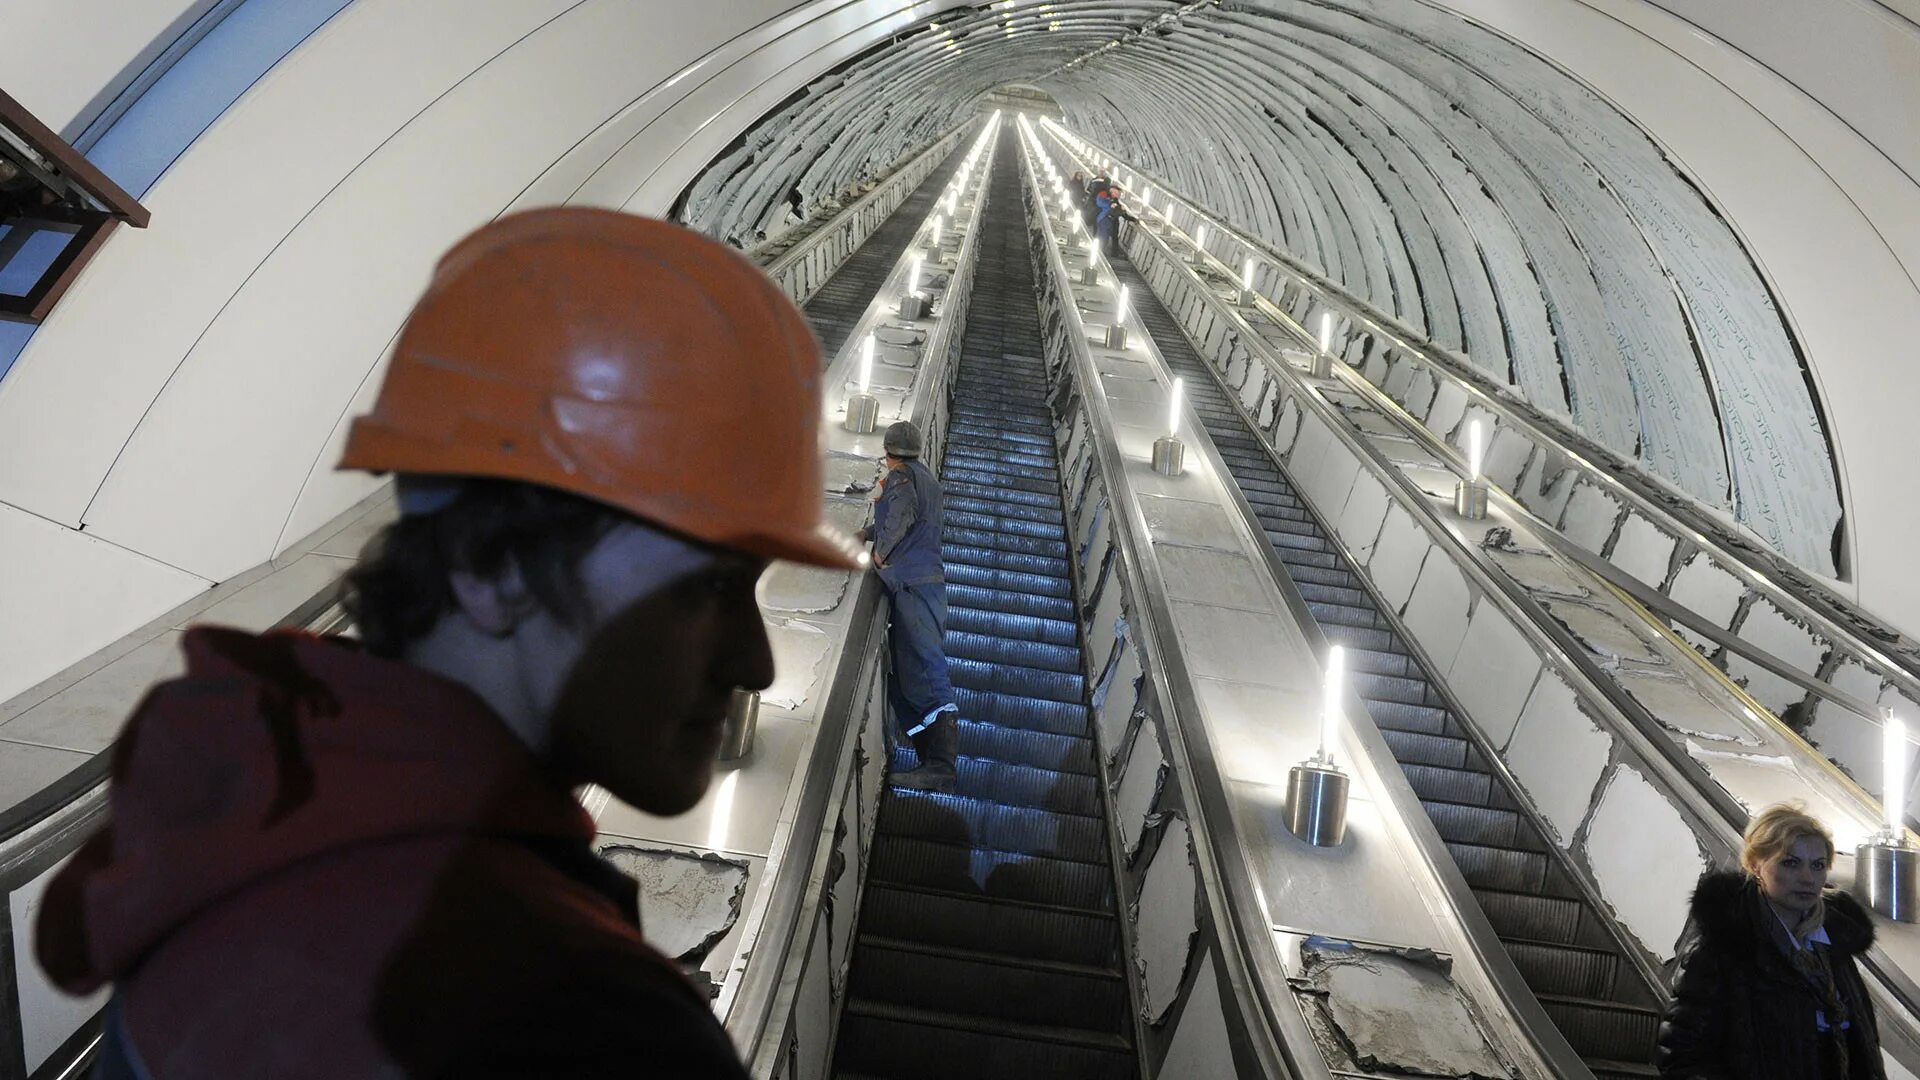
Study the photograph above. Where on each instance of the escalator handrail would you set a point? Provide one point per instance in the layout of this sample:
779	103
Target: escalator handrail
1806	600
769	984
1253	967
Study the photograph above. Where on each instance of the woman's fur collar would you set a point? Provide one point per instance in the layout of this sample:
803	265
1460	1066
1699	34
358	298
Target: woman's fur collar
1720	908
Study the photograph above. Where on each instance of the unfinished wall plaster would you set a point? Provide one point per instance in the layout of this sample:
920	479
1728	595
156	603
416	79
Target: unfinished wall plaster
1396	1012
687	902
1140	784
1493	673
1558	753
1166	920
799	655
1645	858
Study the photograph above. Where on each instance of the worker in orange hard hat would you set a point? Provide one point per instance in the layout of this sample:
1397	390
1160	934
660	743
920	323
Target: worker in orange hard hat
339	860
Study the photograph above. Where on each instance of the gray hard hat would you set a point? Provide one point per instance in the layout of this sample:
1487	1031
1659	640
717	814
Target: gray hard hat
903	440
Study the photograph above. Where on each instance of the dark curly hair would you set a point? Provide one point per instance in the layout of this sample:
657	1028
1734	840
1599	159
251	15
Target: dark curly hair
400	588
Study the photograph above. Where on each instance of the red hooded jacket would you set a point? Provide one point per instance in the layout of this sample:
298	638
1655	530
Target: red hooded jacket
325	864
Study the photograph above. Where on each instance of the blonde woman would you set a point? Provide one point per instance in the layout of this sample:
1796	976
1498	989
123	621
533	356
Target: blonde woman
1764	983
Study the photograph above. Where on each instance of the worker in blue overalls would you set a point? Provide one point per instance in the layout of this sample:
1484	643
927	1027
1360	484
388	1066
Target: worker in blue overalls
906	553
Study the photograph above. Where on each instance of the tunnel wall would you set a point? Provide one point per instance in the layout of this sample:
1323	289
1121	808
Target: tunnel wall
174	422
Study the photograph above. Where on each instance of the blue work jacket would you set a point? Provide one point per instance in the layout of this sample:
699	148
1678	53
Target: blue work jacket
906	527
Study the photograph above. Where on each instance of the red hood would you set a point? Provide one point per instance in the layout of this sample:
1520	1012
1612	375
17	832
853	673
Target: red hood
270	750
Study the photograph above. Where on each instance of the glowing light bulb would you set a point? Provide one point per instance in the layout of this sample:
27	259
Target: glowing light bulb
1326	331
1330	714
1476	450
1200	238
1893	797
866	363
1146	200
1120	307
913	277
1246	275
939	225
1173	407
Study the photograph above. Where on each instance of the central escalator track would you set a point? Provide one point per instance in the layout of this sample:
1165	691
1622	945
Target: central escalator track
988	944
1562	945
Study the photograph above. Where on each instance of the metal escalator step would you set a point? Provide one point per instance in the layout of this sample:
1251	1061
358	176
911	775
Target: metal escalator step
1004	525
1012	603
953	536
1270	484
1621	1070
961	429
1009	581
985	872
1006	625
1473	824
994	649
1565	969
1002	984
958	472
1004	422
1060	686
1604	1029
1004	496
1319	567
1012	783
1413	748
1341	614
1007	461
976	822
1382	662
883	1037
992	559
1027	713
992	507
1511	869
1537	918
1407	716
1329	594
1390	688
1045	932
1039	749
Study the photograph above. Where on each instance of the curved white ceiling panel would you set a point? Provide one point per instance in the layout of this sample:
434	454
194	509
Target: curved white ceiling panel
1546	237
1442	172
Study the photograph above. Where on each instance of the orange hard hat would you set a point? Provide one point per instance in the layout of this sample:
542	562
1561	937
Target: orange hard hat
623	359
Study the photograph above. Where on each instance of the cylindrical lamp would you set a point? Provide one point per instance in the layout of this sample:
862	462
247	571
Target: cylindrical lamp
1886	869
1169	453
863	409
1323	359
1470	495
1316	788
743	719
1246	282
1117	329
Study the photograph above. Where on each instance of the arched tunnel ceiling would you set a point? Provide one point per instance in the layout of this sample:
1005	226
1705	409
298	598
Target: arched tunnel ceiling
1440	171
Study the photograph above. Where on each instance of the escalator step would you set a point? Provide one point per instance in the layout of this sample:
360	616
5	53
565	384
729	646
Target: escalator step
1390	688
976	822
1604	1029
1413	748
992	507
1002	984
1008	603
1403	716
1005	679
985	872
1044	932
1015	784
964	473
1002	496
963	430
1474	824
1005	525
1006	625
1382	662
1014	543
887	1039
994	649
1067	753
986	558
1564	969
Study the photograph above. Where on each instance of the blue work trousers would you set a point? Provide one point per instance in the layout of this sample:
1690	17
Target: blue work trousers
919	690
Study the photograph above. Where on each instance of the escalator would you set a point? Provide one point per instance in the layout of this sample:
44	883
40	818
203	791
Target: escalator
1563	946
988	943
837	307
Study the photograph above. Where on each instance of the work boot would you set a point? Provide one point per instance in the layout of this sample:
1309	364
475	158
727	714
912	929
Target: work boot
938	746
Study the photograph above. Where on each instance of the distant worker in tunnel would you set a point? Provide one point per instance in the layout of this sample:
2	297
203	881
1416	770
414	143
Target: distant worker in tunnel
1109	213
1765	983
907	521
340	860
